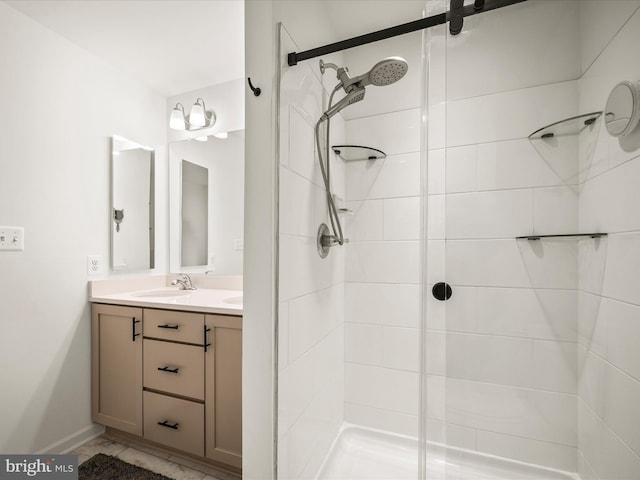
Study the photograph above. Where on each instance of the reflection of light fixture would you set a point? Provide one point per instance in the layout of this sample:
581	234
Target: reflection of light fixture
197	119
221	135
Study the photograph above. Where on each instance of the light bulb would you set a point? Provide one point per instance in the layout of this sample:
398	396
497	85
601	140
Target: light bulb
176	120
201	139
221	135
197	117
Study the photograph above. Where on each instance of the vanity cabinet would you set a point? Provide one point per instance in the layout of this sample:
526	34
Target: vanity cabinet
117	367
223	365
178	379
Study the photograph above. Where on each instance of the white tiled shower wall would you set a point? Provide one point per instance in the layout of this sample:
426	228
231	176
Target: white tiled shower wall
519	364
539	336
609	298
383	274
508	335
311	289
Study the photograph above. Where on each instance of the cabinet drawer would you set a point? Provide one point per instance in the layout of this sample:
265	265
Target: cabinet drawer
183	422
174	368
176	326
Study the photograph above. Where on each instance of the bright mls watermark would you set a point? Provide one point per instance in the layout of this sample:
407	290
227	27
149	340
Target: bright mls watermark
50	467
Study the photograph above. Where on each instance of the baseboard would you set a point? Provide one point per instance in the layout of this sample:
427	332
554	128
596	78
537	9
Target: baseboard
73	441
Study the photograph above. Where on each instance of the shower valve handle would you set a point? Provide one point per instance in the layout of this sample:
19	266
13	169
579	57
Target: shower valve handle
332	240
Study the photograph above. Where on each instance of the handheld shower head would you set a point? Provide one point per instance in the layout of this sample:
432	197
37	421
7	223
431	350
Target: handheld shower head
385	72
355	94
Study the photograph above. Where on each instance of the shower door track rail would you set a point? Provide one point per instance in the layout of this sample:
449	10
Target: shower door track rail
455	15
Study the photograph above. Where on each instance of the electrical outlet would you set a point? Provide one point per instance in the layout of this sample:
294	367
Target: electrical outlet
239	244
12	238
94	265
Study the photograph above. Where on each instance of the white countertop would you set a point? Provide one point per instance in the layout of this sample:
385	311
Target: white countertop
225	302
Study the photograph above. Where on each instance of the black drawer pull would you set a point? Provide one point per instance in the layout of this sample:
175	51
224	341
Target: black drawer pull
172	327
206	330
166	424
168	370
133	329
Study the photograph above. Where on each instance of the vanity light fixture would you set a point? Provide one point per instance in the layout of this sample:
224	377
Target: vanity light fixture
199	117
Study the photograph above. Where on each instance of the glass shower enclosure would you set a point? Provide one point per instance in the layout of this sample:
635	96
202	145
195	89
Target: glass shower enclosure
467	328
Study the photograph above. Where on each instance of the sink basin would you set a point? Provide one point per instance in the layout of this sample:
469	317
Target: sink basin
234	300
162	293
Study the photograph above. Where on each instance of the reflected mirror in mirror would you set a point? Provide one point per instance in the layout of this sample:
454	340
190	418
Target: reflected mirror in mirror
623	110
206	205
132	205
194	235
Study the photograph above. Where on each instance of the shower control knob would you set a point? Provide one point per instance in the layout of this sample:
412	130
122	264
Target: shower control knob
442	291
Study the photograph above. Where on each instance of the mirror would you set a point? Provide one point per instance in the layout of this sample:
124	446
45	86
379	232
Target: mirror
132	205
206	204
622	110
194	232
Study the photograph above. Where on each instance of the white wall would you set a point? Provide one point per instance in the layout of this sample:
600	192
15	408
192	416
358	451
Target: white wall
503	350
382	296
259	315
382	293
311	289
609	304
60	107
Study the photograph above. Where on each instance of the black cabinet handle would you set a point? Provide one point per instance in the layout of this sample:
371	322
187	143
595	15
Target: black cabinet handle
172	327
133	329
168	370
206	330
166	424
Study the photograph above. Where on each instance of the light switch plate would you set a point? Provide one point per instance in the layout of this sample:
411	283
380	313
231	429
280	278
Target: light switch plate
12	238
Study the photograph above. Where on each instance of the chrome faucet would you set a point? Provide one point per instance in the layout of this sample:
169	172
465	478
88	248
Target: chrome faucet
185	281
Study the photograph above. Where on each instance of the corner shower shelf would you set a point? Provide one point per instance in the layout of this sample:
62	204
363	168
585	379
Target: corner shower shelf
569	126
562	235
351	153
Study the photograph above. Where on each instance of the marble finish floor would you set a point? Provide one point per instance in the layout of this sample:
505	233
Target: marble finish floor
148	458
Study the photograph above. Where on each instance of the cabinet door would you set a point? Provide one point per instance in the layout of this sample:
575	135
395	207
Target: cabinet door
117	367
223	390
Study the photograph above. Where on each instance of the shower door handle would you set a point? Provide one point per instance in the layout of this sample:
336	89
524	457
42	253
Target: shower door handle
442	291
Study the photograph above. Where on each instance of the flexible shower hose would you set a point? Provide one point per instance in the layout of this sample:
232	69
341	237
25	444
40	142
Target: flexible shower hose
336	227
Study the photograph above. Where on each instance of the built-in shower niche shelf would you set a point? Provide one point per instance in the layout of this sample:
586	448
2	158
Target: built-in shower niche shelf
570	126
350	153
563	235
